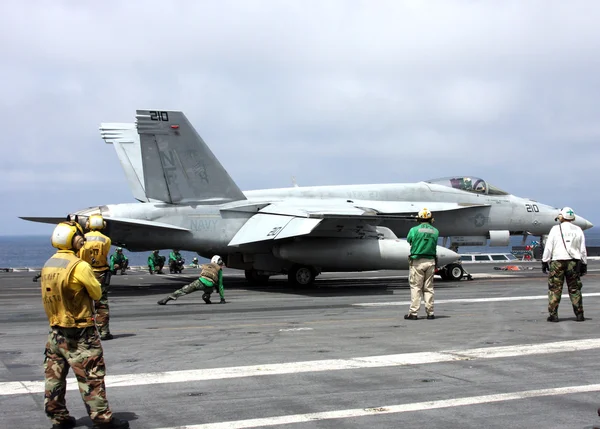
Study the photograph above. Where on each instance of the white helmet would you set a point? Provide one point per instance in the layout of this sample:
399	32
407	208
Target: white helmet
216	260
567	213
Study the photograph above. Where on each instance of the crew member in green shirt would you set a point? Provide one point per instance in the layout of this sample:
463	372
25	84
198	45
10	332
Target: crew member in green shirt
423	240
156	262
118	261
211	276
176	262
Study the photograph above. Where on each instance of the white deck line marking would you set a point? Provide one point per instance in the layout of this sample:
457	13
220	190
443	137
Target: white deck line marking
472	300
185	376
392	409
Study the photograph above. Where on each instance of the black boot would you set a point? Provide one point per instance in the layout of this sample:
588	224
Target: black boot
206	298
164	300
580	318
552	318
115	423
68	423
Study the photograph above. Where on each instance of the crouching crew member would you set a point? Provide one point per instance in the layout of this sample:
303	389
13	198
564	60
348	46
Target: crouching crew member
68	287
211	276
565	256
118	261
423	240
95	252
176	262
156	263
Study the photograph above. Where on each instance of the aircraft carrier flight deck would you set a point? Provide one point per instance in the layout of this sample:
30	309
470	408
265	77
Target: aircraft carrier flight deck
338	354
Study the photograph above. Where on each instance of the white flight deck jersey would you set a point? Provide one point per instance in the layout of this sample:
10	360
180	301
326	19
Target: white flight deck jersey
572	248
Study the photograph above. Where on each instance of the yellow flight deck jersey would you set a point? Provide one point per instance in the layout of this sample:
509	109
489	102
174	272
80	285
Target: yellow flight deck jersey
68	288
95	250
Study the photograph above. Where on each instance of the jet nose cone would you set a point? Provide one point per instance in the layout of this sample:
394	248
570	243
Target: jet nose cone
446	256
583	223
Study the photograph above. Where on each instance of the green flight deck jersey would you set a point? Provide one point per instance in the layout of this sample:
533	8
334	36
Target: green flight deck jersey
423	240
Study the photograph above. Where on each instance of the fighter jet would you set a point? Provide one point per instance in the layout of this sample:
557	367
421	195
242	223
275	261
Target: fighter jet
193	204
469	211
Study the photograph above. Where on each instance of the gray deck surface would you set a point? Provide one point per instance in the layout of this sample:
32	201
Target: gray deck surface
343	318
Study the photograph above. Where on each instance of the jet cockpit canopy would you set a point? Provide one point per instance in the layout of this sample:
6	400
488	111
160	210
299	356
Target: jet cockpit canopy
472	184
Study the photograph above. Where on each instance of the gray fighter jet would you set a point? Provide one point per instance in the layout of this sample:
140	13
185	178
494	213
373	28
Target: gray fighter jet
192	203
499	216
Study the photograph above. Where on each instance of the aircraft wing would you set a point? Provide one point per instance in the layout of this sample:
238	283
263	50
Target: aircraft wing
280	221
148	224
378	209
413	207
127	232
42	219
334	219
112	220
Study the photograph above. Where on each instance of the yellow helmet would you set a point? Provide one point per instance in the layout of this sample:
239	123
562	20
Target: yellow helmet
424	214
64	233
95	222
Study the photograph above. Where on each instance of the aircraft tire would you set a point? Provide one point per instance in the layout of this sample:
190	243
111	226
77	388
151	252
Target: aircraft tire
454	272
301	275
254	278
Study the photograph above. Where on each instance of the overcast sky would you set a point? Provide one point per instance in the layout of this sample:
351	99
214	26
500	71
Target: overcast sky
331	92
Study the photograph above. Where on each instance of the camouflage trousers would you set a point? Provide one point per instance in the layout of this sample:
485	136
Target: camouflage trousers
101	306
559	270
80	349
194	286
420	278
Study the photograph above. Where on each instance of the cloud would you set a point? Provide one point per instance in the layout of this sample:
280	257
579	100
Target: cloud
332	92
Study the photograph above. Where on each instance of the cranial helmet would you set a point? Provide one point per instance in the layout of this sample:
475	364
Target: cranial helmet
95	222
424	214
567	213
216	260
64	233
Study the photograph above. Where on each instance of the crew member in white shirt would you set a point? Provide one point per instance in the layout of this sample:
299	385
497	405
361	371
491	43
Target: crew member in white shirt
565	256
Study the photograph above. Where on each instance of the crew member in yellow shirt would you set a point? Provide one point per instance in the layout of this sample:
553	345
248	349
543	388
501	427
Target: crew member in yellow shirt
95	252
69	287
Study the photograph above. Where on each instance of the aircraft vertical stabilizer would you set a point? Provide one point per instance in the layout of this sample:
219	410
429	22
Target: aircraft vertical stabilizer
126	142
178	166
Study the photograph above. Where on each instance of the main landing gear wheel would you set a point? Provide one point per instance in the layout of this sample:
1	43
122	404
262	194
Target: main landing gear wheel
254	278
301	275
454	272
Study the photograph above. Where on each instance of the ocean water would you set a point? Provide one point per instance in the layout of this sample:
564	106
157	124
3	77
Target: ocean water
32	251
